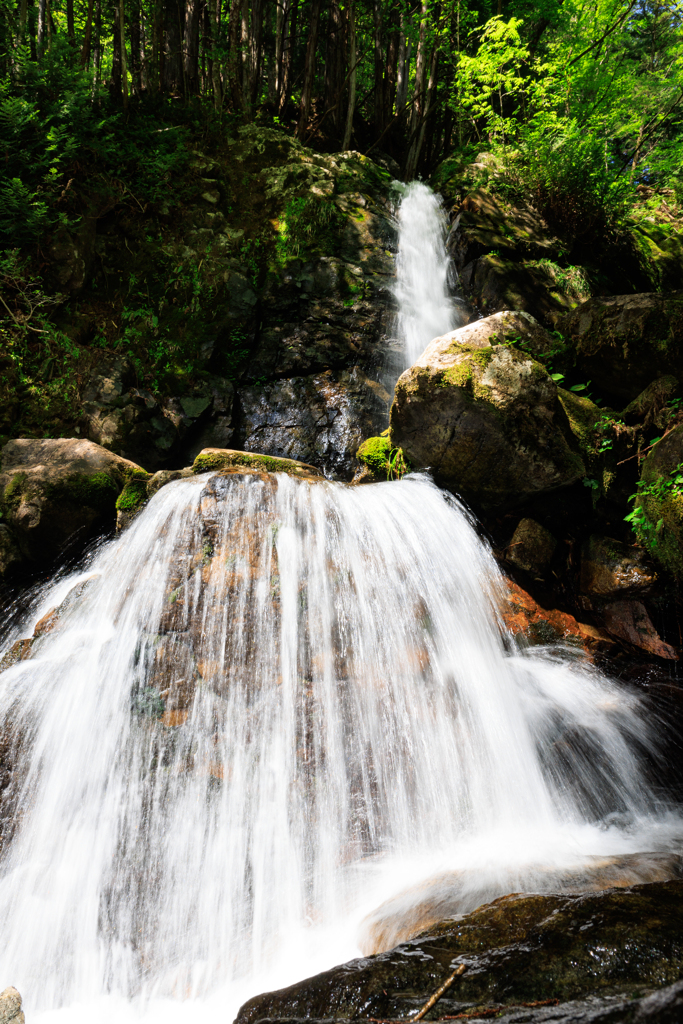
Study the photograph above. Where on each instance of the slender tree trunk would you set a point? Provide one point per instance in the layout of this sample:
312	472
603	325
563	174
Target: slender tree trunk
87	39
70	29
42	27
418	135
215	23
255	48
334	64
350	110
281	23
309	68
135	64
235	63
115	82
378	91
288	55
403	69
391	66
121	32
173	72
97	48
420	72
191	46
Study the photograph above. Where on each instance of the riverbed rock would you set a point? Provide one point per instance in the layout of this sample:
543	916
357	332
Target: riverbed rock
629	621
622	342
52	489
523	616
532	547
660	502
10	1007
520	948
212	460
454	893
485	417
610	568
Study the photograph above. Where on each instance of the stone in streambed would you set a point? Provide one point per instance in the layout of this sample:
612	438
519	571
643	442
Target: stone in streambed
50	489
10	1007
610	568
216	459
454	893
485	417
532	547
520	948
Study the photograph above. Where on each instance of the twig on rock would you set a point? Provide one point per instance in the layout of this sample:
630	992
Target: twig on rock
460	969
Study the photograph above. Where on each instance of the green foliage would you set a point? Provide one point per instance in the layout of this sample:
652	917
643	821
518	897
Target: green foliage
649	500
309	222
382	459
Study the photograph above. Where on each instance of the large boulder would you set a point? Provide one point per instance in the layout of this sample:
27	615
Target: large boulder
622	342
52	489
484	416
658	512
518	949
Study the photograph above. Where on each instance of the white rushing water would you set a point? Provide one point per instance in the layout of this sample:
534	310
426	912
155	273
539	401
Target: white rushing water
265	707
426	308
269	706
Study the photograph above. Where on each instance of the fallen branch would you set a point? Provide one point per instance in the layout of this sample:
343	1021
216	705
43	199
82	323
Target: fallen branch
460	969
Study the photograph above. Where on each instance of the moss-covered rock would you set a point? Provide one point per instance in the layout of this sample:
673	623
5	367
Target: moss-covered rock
622	342
484	416
657	517
213	460
52	489
517	949
132	498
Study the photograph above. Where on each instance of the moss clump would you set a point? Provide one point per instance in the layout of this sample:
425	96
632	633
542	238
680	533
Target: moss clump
582	415
382	459
211	462
134	494
11	499
98	492
374	453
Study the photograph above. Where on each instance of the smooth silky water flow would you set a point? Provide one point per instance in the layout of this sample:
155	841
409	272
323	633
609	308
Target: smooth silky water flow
265	708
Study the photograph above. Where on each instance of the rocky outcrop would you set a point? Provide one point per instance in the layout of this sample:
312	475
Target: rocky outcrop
622	342
658	513
516	950
53	489
484	416
10	1007
610	568
453	893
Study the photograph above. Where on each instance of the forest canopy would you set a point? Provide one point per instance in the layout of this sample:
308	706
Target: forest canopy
580	99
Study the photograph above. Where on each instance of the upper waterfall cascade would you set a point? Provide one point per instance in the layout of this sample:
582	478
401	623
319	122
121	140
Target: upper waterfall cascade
426	308
268	706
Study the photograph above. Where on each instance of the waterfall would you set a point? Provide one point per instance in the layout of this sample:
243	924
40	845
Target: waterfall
426	308
272	704
261	708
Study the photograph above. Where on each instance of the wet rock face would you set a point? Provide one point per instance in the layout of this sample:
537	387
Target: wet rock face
518	949
610	568
52	488
320	419
10	1007
621	342
484	416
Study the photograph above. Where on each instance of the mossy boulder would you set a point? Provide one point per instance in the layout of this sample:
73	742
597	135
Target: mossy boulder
53	489
622	342
213	460
538	287
485	416
658	518
518	949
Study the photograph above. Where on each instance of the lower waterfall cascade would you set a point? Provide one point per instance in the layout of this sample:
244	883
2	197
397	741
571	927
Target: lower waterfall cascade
272	704
264	708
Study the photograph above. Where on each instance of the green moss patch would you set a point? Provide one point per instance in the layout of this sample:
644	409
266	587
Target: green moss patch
211	462
98	492
134	494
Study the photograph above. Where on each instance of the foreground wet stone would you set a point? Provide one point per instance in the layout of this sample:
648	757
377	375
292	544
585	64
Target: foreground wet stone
520	949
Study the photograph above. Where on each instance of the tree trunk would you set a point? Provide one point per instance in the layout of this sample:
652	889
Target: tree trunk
70	29
418	134
97	49
255	48
122	47
309	68
420	72
281	22
235	62
403	69
334	65
378	91
173	18
191	46
135	63
350	110
391	66
215	25
115	82
288	55
87	39
42	27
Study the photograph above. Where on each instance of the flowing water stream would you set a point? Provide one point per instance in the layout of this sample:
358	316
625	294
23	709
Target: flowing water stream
265	708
